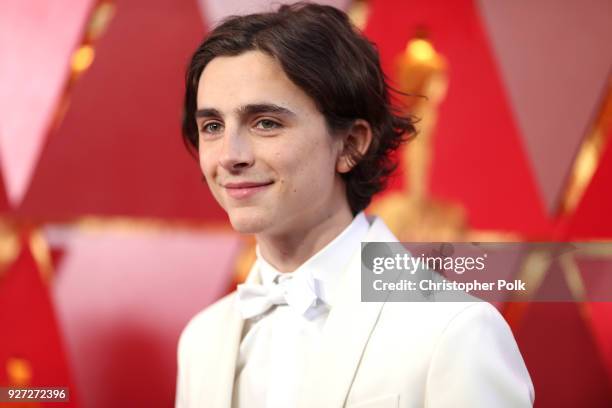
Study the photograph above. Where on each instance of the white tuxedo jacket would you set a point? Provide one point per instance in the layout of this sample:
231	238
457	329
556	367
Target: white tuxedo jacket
373	355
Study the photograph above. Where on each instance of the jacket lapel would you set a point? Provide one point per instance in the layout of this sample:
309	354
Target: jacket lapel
345	335
220	381
218	388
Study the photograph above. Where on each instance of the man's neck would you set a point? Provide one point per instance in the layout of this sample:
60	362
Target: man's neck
286	252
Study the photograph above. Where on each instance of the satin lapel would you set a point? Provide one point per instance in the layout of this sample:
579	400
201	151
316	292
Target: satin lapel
218	388
345	335
220	382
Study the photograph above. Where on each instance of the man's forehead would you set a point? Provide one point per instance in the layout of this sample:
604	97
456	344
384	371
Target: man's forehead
232	83
251	68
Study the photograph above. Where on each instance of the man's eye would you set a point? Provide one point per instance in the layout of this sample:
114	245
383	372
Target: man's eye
212	127
267	124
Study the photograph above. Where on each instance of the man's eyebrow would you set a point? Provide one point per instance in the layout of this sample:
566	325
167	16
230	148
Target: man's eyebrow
207	112
246	110
256	108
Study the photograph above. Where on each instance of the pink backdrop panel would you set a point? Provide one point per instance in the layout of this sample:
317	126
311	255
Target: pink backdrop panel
123	297
555	59
37	38
119	149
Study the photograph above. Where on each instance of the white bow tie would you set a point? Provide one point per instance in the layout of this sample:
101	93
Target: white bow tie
298	292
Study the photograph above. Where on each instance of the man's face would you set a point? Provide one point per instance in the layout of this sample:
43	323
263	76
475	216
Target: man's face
264	147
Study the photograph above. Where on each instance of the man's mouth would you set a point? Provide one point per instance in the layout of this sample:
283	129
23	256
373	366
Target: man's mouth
245	189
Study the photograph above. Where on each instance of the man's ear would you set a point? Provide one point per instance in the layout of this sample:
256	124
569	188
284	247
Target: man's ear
355	143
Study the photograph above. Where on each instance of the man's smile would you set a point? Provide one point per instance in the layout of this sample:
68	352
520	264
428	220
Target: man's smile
246	189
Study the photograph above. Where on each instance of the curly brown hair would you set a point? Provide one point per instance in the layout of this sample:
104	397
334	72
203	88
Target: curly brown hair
328	58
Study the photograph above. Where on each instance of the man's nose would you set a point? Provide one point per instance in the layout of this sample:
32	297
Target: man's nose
236	152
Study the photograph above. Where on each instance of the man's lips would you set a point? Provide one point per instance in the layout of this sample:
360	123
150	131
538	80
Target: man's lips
246	184
245	189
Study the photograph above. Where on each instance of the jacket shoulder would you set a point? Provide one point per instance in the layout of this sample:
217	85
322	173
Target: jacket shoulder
477	360
205	323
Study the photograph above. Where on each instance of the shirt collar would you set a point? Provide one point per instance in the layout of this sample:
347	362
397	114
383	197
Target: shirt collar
325	267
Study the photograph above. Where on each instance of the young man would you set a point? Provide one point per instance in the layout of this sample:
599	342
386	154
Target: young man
290	114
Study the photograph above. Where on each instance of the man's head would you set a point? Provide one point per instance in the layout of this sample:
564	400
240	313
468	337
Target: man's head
296	102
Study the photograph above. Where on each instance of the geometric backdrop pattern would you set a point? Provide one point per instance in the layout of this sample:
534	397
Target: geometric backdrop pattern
37	38
143	244
555	68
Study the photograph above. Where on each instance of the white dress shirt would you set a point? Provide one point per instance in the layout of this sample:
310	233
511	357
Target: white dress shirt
275	347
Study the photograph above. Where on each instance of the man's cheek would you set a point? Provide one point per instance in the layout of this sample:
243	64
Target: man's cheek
218	195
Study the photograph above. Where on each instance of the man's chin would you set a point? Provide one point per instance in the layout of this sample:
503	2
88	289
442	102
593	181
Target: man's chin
245	223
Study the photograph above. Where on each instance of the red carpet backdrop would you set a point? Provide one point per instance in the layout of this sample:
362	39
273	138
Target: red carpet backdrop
110	242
